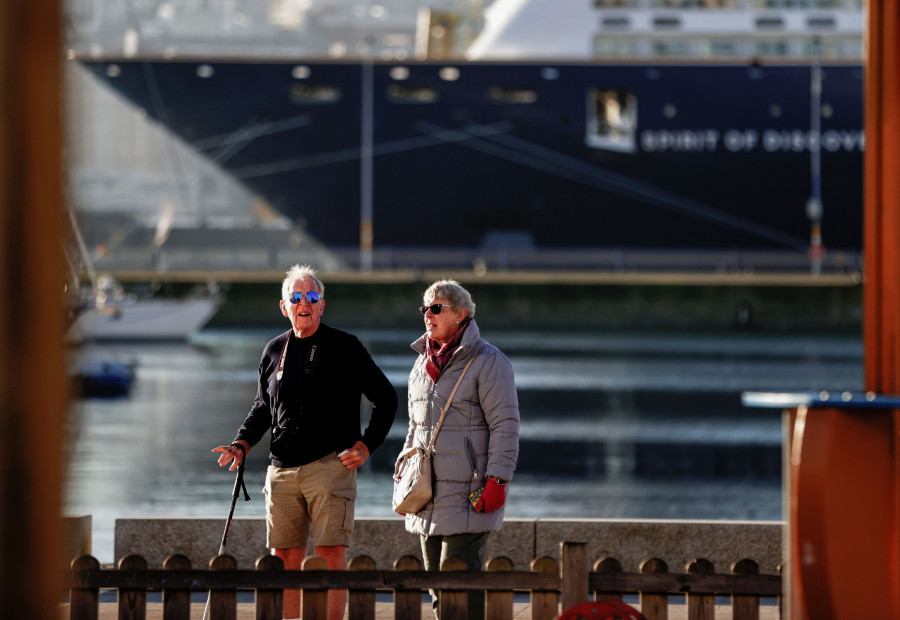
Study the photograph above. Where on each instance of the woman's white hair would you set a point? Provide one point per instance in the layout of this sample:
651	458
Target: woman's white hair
300	272
453	292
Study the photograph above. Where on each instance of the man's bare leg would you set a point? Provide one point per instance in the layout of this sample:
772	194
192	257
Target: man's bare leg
293	560
336	558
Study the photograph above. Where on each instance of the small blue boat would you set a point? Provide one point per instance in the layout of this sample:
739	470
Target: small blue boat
104	378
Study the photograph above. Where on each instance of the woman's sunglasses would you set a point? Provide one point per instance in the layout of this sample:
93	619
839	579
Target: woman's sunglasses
311	296
435	308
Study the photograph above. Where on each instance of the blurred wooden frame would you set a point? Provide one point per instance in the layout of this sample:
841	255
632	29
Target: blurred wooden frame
33	384
845	463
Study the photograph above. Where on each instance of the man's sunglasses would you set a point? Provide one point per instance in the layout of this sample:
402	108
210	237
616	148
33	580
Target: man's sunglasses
435	308
311	296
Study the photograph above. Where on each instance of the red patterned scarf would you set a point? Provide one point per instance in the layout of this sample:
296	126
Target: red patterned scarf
436	360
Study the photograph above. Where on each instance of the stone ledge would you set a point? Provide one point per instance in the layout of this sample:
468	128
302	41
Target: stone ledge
676	542
76	537
521	540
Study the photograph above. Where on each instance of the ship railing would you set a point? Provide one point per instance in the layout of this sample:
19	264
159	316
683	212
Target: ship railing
609	260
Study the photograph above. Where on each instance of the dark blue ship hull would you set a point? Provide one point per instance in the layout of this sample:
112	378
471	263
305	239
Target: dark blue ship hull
717	156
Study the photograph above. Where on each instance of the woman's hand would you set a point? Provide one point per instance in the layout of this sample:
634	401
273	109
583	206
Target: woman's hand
492	497
235	453
354	457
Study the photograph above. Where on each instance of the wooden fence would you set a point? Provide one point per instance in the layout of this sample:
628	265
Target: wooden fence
552	586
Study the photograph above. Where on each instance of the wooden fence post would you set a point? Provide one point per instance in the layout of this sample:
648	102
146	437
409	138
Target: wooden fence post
573	573
701	606
607	566
315	602
655	605
407	603
269	602
223	603
362	602
544	605
745	607
132	602
84	603
176	603
499	604
454	603
782	598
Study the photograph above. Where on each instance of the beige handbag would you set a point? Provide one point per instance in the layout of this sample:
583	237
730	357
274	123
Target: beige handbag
412	472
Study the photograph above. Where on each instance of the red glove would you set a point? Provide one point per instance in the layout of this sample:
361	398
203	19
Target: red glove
492	497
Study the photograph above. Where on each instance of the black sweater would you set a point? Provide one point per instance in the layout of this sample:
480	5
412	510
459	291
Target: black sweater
325	403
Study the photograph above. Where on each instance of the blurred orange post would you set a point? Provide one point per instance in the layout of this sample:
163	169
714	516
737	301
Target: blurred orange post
845	462
33	386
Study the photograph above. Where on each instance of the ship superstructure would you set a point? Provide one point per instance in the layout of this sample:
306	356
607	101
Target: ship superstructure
646	125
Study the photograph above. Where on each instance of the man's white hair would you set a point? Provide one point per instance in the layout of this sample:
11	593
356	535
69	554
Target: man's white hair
300	272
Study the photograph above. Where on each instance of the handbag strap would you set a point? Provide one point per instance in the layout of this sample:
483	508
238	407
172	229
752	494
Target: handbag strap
450	400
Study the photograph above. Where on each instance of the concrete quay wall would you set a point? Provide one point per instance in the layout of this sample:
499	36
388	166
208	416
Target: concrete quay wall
384	540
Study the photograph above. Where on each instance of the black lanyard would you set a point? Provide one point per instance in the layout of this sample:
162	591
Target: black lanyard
308	367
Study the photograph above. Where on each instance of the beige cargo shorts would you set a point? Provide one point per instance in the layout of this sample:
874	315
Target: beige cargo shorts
317	497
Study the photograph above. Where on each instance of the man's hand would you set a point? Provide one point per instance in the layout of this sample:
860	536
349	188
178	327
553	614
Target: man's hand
232	453
354	457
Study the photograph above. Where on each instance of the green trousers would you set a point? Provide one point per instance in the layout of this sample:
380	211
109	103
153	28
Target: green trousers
467	547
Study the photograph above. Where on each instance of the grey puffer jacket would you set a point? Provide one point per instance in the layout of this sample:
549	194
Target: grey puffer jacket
479	437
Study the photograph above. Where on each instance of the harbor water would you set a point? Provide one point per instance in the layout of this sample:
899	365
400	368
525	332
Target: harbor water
614	425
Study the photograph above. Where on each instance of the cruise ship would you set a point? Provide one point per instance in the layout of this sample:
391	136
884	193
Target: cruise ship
529	125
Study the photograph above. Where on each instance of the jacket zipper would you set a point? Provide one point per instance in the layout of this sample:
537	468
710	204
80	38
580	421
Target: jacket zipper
431	409
471	452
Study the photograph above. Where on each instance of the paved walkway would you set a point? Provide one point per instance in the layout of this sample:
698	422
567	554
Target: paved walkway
246	611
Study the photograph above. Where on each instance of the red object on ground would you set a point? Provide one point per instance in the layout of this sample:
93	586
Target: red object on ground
602	610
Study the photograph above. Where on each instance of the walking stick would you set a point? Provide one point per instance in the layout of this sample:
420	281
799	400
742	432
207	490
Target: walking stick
238	487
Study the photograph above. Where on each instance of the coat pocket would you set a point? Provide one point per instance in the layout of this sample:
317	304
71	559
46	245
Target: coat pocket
473	459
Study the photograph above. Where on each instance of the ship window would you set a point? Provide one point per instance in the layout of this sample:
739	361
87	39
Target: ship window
847	48
605	4
774	47
666	23
616	22
852	48
611	120
550	73
399	73
411	94
769	23
806	4
614	46
821	23
512	95
396	40
827	48
449	74
716	47
310	93
722	47
670	48
205	71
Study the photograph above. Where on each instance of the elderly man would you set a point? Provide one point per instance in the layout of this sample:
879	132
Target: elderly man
311	379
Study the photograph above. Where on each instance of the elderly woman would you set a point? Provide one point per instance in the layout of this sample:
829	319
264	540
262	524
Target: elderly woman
478	444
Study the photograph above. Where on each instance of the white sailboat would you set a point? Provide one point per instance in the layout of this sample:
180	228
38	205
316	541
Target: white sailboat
128	317
105	312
